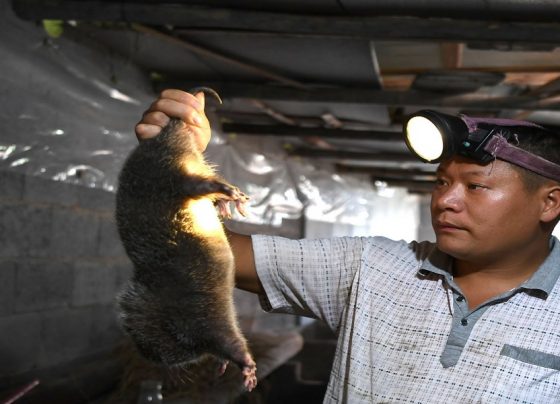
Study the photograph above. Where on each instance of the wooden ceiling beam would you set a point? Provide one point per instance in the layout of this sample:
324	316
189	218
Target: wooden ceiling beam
361	95
370	27
520	69
388	172
421	187
354	155
285	130
451	55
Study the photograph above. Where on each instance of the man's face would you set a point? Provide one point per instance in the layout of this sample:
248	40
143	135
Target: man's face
481	213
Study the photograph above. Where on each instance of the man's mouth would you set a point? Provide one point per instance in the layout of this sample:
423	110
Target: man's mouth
445	226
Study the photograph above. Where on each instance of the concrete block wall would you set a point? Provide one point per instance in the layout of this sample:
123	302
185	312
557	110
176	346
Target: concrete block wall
61	265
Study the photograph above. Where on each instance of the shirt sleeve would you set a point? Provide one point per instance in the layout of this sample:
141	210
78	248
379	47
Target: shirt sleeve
311	278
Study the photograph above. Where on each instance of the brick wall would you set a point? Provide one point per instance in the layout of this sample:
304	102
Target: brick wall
61	263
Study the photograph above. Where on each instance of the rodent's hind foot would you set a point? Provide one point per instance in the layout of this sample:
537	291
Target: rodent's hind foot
249	372
249	377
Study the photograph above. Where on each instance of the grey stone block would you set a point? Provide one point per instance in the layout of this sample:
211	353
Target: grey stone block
7	287
66	335
106	331
43	285
20	342
11	185
44	190
11	231
124	270
74	233
25	231
37	231
274	322
109	242
94	283
246	303
96	199
246	306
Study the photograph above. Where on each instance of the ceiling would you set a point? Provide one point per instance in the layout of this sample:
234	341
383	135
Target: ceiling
334	79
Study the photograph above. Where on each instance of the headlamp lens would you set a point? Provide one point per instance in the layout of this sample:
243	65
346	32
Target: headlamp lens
424	138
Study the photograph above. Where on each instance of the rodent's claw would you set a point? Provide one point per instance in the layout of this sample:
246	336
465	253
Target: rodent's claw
231	193
208	90
240	206
223	208
223	367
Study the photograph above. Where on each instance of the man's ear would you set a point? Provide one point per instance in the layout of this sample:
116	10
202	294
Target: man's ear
551	209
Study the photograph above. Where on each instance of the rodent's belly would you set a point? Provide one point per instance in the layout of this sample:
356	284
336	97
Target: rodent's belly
204	220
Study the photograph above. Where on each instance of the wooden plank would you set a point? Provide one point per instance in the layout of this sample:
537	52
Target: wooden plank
353	155
370	27
389	172
252	68
521	69
361	95
284	130
451	55
421	187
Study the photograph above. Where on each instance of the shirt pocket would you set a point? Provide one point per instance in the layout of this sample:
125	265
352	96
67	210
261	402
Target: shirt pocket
522	375
531	356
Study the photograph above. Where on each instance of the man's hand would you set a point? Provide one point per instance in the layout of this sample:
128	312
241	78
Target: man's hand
176	104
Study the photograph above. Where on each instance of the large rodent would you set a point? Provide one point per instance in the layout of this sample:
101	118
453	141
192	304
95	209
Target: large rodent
178	306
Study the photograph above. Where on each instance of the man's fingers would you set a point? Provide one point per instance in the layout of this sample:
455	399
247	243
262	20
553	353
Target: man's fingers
155	118
183	97
146	131
175	109
175	104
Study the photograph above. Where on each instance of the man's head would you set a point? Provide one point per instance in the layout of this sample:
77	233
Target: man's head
487	210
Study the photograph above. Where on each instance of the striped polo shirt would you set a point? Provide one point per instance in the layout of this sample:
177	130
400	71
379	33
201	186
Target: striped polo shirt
405	333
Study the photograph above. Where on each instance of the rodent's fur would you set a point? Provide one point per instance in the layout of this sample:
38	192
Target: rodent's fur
178	305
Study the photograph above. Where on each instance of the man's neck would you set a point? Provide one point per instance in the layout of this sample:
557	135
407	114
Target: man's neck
483	280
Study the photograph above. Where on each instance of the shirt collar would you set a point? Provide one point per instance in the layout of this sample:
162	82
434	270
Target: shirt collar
437	263
548	273
543	279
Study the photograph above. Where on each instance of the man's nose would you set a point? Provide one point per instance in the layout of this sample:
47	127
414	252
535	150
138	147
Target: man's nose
449	198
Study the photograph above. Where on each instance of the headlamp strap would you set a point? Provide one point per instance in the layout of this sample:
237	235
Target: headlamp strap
498	146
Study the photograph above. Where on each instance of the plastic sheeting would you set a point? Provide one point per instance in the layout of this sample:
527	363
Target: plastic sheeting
350	206
68	113
264	177
67	108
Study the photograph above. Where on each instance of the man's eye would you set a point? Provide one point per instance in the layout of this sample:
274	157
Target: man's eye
476	186
438	184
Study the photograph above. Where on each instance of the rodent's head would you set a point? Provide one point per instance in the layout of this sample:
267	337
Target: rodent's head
153	327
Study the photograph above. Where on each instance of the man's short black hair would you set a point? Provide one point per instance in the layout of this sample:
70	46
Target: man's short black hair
542	142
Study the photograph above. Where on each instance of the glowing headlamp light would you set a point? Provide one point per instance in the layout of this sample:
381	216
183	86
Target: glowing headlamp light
434	136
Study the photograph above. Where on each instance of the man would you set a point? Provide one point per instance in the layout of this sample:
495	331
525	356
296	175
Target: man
474	317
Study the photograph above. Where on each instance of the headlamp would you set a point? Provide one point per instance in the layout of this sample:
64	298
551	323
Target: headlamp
434	136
